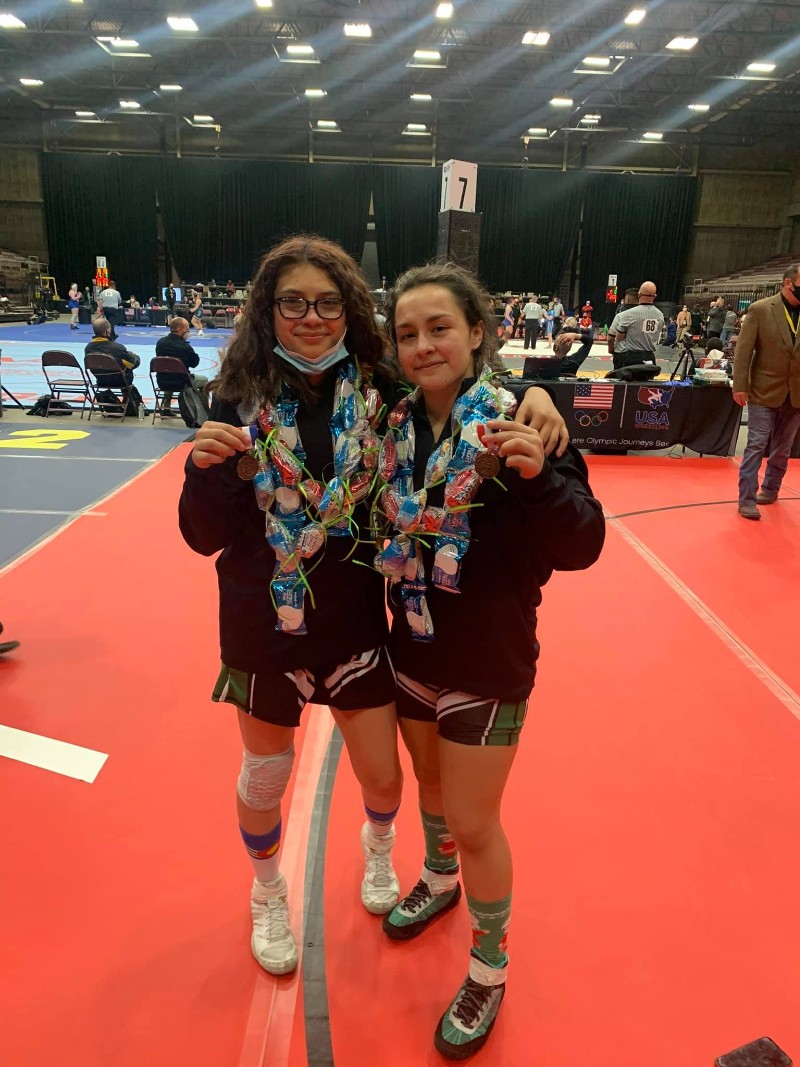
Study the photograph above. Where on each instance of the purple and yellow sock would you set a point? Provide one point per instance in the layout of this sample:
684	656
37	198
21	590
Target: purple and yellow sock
263	852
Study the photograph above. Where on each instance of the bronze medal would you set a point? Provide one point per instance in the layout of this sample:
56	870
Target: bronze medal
487	465
247	467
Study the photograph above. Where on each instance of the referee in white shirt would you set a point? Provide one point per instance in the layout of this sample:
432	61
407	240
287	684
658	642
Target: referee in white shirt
635	332
110	307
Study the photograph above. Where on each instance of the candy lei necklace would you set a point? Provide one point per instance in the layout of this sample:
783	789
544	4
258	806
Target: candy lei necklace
462	462
300	510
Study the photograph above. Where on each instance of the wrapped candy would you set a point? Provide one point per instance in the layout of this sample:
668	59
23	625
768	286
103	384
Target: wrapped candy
436	467
359	485
461	489
310	540
410	511
288	501
401	412
289	594
264	488
391	561
268	418
313	491
370	449
447	562
388	458
404	447
390	502
507	401
432	519
346	455
417	614
278	537
286	463
372	402
332	505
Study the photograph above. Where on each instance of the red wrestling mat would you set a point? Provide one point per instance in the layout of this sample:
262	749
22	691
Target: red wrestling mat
125	902
653	813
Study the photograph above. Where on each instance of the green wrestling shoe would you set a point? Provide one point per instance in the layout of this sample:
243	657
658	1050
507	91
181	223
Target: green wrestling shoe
466	1025
432	897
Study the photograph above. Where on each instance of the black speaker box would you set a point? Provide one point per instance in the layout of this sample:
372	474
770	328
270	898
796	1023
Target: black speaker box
459	238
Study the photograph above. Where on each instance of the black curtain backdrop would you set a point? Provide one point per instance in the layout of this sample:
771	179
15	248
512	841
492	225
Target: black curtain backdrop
221	215
530	222
406	202
101	206
637	226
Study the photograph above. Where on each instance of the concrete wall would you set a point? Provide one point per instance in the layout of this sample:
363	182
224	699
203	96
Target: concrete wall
21	215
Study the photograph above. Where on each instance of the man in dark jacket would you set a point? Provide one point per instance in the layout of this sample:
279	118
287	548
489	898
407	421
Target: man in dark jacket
127	361
174	344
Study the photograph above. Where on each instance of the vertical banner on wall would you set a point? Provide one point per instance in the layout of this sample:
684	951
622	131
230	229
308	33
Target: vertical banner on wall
100	275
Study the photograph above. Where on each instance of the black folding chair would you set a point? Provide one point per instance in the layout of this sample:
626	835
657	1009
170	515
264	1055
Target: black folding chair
107	375
74	386
176	372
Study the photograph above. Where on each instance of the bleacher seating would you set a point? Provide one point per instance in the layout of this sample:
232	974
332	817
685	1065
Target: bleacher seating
750	283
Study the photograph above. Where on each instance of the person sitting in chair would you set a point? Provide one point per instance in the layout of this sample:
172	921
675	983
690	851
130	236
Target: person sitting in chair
128	361
174	344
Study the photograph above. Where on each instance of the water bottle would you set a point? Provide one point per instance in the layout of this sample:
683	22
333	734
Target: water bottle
141	413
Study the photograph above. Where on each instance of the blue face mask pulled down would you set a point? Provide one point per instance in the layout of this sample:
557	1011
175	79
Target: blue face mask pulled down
314	366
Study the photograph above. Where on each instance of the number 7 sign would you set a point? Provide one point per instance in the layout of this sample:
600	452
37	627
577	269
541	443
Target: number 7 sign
459	183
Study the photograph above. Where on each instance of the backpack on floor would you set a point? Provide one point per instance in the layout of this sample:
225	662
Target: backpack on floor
193	407
57	407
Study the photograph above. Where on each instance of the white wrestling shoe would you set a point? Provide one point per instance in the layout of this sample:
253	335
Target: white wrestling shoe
380	889
273	943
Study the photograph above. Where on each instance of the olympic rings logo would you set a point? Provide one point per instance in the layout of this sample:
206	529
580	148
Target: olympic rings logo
583	418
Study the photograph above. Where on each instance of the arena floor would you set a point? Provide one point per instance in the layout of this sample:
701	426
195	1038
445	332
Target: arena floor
653	810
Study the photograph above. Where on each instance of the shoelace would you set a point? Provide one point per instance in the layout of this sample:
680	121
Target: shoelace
275	920
380	869
418	897
471	1001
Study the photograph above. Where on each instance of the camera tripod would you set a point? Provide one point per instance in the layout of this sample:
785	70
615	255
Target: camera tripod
686	365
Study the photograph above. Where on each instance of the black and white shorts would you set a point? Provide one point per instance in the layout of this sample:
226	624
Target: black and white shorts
463	718
366	680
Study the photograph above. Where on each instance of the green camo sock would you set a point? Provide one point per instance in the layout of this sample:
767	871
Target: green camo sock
441	853
490	920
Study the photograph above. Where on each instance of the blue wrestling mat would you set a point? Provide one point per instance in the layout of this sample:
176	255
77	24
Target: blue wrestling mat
21	347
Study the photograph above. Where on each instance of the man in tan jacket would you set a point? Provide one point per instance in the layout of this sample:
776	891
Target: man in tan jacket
766	377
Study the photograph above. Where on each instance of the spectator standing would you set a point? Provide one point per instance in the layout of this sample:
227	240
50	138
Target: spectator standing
716	318
558	315
671	338
533	313
171	298
730	324
109	306
176	345
549	317
684	321
766	377
516	314
697	321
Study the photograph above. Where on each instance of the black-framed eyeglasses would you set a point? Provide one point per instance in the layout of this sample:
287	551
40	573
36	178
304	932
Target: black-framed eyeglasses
297	307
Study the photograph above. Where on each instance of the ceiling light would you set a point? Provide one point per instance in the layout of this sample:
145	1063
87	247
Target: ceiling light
422	97
597	61
76	1
131	105
315	92
11	22
203	118
263	3
170	88
416	126
538	37
699	107
300	49
423	54
179	22
85	114
682	44
592	120
357	29
761	68
444	11
30	81
635	16
652	135
327	124
537	131
416	129
561	101
121	42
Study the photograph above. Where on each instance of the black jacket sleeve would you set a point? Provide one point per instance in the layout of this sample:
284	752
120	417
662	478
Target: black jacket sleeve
569	520
190	357
213	501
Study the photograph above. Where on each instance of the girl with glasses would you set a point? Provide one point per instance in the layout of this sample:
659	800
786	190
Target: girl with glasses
277	482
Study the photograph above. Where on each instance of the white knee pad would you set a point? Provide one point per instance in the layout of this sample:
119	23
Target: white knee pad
263	779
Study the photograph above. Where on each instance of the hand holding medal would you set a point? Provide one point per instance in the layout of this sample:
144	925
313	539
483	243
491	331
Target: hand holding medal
520	446
217	441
